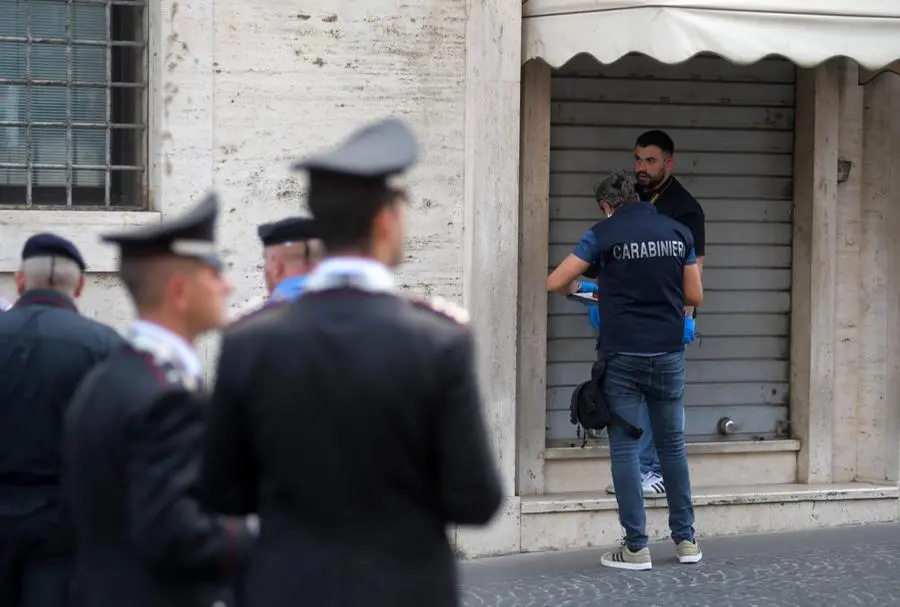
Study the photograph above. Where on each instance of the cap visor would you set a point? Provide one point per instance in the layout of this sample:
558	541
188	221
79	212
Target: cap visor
213	260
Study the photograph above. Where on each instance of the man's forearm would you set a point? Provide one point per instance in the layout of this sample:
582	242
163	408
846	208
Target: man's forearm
689	310
568	289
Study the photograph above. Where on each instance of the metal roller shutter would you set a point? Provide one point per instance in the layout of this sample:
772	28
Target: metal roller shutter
733	132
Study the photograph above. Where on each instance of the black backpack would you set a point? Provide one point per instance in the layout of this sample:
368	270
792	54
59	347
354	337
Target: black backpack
589	411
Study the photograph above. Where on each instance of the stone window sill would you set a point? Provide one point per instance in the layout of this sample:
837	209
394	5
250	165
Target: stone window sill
84	228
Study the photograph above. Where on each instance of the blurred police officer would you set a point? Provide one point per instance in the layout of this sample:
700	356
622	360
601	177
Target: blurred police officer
647	272
134	430
46	349
292	249
350	419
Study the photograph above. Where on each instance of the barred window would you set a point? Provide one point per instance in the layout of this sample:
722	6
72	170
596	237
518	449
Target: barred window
72	103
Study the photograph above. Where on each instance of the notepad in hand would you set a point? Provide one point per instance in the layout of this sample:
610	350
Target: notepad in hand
587	299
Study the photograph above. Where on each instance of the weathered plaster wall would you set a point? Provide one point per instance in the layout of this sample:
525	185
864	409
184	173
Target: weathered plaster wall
239	88
290	77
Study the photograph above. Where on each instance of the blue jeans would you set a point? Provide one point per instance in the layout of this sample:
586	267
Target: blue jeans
646	449
654	384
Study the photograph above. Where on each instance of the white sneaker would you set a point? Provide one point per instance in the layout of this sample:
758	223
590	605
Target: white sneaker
651	483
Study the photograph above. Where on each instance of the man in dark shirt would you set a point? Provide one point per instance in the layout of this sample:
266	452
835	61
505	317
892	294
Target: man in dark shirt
46	349
654	165
646	273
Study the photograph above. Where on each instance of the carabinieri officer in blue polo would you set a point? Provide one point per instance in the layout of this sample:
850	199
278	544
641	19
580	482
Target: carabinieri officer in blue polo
647	273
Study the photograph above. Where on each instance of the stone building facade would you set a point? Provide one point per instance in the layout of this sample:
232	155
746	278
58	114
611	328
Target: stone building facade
520	107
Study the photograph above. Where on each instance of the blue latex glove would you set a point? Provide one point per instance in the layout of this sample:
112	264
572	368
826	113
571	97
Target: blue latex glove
689	330
586	286
594	315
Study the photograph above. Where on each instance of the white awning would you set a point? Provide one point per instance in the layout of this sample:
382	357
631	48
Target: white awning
807	32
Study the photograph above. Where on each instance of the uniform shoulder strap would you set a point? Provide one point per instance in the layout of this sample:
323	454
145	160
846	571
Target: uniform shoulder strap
162	364
258	312
443	307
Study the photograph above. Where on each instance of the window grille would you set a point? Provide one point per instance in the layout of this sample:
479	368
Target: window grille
72	103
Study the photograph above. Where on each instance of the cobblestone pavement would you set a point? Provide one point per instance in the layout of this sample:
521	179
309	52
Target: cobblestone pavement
834	567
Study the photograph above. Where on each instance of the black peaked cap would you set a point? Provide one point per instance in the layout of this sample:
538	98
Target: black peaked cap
377	151
191	235
47	245
289	229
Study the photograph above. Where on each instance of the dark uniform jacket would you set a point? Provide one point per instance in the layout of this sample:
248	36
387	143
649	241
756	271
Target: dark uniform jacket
351	422
46	349
132	450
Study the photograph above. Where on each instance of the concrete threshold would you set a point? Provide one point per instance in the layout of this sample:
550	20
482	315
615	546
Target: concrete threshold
718	496
600	449
582	520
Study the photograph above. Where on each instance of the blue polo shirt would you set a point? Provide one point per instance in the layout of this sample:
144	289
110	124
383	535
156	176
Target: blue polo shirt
639	257
289	289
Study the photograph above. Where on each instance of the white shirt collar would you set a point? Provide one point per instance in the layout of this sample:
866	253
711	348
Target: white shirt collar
373	275
179	346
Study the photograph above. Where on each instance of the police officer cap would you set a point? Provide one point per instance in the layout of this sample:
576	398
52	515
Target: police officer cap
616	189
191	235
46	245
375	152
290	229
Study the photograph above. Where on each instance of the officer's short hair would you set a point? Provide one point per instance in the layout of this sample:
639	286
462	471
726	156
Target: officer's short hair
141	281
350	185
345	208
616	190
657	138
145	278
56	272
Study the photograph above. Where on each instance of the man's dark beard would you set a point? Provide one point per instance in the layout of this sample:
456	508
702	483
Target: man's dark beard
653	182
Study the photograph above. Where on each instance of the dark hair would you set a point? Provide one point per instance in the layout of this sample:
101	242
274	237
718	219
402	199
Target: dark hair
616	190
145	278
140	281
345	209
657	138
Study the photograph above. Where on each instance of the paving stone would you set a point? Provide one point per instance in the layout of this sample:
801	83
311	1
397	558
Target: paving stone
859	566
